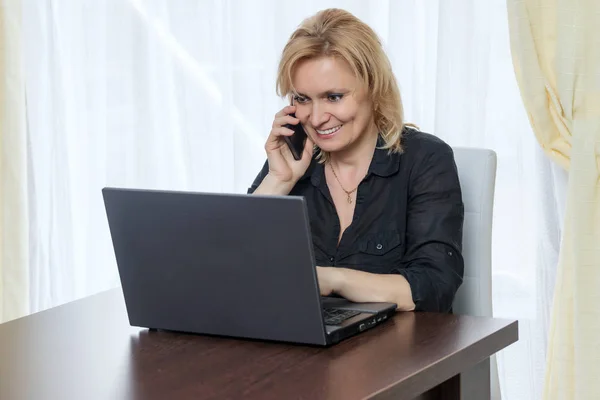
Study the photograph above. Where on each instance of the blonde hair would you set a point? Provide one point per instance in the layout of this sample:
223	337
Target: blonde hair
338	33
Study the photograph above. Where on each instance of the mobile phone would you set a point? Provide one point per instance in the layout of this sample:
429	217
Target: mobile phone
296	141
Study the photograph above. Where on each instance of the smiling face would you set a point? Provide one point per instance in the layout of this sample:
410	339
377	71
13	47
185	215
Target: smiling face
332	105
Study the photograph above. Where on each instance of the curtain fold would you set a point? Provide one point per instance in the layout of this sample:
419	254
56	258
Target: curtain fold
555	47
14	227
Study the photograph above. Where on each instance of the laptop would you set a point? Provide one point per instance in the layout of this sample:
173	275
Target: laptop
232	265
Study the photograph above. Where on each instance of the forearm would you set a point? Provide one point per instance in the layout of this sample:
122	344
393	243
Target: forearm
272	186
359	286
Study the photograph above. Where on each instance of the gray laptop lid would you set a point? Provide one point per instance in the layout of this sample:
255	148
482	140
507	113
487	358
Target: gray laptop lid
223	264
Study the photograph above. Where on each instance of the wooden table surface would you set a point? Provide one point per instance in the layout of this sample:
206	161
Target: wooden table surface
87	350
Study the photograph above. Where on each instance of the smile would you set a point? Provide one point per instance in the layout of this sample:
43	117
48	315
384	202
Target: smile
329	131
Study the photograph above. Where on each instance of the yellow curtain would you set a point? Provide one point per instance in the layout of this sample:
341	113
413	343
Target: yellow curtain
556	54
14	272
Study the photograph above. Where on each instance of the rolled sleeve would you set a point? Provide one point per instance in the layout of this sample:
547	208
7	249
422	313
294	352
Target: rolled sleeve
433	264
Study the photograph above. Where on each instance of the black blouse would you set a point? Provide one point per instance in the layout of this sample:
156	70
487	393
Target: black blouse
408	219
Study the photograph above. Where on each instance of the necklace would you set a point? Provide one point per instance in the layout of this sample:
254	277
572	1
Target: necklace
348	193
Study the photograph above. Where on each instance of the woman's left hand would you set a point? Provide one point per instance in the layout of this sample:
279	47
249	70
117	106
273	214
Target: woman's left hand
366	287
328	280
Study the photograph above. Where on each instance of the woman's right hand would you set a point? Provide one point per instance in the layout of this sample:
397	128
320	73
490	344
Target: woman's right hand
282	165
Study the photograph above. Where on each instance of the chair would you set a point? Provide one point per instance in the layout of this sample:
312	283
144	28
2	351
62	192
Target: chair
477	175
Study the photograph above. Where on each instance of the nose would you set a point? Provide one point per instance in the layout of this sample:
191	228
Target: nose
318	115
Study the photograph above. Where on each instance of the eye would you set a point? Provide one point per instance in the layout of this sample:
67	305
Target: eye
334	98
300	99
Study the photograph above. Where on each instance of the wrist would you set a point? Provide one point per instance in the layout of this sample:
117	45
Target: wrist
337	277
274	186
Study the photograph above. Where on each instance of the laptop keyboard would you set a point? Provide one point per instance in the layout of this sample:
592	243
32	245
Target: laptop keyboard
334	316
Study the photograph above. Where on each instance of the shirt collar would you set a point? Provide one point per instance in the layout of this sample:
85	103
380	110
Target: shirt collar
384	164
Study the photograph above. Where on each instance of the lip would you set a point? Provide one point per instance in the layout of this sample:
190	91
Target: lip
330	135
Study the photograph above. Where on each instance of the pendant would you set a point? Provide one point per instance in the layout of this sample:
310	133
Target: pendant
349	199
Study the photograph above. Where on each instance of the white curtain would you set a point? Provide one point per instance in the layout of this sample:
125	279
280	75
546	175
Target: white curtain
181	95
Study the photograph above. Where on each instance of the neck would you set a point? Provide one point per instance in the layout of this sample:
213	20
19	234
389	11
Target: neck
359	156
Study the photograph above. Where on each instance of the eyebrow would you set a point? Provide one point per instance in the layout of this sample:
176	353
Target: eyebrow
328	92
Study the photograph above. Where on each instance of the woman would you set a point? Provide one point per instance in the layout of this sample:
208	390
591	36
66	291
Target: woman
384	199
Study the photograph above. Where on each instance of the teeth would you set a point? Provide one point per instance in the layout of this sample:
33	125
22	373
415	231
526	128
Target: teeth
329	131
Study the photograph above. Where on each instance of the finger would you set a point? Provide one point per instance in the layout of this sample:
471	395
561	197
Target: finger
286	153
282	131
285	119
276	133
285	111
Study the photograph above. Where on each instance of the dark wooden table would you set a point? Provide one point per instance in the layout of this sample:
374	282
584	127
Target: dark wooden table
87	350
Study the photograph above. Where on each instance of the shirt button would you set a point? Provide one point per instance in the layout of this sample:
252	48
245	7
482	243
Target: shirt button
379	246
449	253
